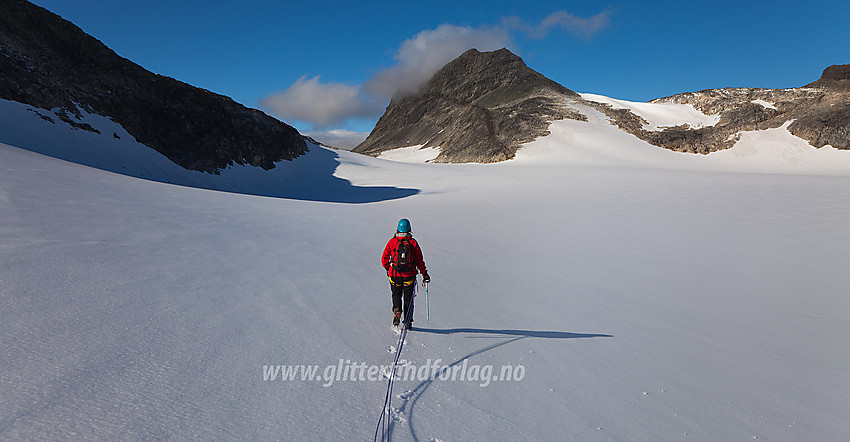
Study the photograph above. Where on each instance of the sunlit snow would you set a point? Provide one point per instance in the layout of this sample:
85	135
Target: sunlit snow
647	294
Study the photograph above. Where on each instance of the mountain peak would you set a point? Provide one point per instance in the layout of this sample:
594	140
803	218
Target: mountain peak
834	77
480	107
475	74
499	55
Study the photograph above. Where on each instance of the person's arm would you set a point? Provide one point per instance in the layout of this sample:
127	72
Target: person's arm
420	264
385	258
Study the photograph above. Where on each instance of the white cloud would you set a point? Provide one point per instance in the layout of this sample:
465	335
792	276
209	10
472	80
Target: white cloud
583	27
321	104
417	59
580	26
420	57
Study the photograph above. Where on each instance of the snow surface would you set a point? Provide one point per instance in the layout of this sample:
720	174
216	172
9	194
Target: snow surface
411	154
660	115
764	104
310	178
598	143
649	295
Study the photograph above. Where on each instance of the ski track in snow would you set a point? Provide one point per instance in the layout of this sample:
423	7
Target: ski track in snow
649	295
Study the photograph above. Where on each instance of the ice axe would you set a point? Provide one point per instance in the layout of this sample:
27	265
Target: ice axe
427	305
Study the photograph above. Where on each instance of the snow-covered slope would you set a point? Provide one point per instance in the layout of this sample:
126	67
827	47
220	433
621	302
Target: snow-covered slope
642	302
660	115
598	143
113	149
411	154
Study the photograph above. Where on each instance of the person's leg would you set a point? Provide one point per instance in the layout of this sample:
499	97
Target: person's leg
408	302
396	294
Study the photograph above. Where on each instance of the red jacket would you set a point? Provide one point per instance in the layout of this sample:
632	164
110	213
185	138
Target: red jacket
389	257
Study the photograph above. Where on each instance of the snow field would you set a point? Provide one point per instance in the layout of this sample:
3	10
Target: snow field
660	115
648	298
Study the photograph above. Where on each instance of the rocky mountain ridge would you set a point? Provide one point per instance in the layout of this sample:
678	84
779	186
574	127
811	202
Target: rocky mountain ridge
483	106
479	108
820	114
49	63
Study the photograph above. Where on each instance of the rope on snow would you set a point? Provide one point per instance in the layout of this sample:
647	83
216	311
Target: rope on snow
382	421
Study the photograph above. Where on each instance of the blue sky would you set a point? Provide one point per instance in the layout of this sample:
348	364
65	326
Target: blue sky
324	66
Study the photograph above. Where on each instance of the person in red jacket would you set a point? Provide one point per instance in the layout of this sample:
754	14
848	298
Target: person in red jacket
402	259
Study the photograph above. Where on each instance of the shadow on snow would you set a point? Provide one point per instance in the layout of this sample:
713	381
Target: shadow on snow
311	178
520	333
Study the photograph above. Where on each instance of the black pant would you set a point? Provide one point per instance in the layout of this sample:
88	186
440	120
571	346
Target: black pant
403	289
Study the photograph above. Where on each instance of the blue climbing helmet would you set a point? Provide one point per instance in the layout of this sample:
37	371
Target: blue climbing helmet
403	225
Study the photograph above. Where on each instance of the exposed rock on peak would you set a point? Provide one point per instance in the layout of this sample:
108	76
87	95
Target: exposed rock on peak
478	108
488	78
48	62
834	77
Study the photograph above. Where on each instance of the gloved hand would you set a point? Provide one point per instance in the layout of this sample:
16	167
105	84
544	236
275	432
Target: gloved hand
425	278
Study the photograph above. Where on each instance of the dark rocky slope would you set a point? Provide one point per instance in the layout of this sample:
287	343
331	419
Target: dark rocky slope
836	77
478	108
48	62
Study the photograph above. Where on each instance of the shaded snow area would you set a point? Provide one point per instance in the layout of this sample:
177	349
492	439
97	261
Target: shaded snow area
616	291
113	149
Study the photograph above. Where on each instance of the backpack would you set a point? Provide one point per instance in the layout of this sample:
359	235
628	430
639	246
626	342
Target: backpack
403	258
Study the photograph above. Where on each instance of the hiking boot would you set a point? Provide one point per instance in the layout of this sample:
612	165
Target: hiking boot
396	317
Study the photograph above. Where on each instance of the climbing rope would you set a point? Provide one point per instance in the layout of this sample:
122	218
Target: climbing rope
382	426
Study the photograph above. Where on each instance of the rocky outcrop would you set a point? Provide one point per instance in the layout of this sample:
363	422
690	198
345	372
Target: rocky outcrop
820	113
478	108
482	107
836	77
47	62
